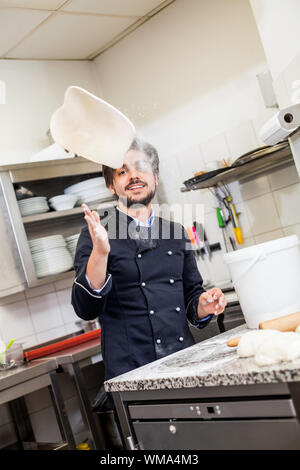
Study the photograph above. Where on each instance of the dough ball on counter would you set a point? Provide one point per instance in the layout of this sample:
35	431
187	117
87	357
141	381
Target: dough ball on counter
250	342
283	347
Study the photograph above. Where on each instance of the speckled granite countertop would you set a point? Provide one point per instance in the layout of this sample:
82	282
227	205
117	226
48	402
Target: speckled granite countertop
208	363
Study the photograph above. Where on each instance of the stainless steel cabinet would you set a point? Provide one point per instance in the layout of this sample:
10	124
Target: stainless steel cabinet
263	434
44	179
262	416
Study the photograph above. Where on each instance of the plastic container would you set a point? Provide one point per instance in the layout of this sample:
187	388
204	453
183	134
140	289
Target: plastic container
266	278
12	357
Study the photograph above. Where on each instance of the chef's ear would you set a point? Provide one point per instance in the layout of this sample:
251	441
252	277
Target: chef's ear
156	179
111	188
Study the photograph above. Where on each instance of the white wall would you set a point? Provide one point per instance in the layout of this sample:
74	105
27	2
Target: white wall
188	51
188	75
34	90
187	79
278	25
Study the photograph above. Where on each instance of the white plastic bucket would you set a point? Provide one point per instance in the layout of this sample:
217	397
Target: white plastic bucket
266	278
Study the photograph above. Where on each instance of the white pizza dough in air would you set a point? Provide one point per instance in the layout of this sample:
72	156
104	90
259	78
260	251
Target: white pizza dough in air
250	342
92	128
283	347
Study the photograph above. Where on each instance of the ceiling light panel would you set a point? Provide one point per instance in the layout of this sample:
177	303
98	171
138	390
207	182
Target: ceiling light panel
38	4
16	24
70	37
114	7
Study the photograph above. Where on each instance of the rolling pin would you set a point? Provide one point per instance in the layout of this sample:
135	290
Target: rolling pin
286	323
233	342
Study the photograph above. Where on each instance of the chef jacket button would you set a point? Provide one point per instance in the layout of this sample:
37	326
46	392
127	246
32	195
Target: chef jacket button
180	339
177	309
171	281
139	255
158	340
170	253
143	284
151	312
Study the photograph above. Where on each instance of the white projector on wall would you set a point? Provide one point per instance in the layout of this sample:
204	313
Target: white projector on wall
284	123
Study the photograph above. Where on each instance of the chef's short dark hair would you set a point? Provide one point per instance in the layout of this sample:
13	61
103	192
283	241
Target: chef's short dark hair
142	146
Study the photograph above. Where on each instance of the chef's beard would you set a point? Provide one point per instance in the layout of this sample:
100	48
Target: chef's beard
130	201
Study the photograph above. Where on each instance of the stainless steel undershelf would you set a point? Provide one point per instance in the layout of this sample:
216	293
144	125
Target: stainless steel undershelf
16	383
277	159
66	213
50	169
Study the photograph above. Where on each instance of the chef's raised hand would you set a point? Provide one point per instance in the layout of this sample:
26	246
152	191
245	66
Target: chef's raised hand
97	231
212	301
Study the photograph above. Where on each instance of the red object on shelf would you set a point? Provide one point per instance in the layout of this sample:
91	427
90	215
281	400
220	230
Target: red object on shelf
60	345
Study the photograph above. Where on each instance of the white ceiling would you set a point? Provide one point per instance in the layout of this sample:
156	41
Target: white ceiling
69	29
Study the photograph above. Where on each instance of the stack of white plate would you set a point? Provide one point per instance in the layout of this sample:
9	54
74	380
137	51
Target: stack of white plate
90	191
50	255
33	205
72	243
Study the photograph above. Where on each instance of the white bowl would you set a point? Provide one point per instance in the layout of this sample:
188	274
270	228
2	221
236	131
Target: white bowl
86	184
63	202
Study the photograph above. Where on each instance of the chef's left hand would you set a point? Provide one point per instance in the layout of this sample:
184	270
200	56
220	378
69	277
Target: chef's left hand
211	301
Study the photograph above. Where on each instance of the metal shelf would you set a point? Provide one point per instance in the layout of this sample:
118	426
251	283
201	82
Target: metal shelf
48	179
253	168
70	212
53	278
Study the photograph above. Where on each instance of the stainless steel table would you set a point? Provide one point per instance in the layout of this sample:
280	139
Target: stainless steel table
25	379
72	361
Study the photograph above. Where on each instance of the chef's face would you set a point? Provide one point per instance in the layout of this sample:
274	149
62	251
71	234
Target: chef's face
135	182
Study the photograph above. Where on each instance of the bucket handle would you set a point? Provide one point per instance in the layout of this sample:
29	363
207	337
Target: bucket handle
260	255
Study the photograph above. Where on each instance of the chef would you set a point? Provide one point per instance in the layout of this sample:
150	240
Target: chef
137	273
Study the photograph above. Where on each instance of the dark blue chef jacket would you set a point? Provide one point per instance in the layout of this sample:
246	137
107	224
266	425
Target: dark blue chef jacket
152	288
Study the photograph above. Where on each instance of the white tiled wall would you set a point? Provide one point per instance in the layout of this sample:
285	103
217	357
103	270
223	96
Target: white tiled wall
7	430
268	206
39	314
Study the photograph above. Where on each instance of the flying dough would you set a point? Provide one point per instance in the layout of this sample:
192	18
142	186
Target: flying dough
250	342
92	128
283	347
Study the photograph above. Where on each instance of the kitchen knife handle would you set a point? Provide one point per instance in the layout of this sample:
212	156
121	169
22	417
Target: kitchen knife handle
238	235
220	218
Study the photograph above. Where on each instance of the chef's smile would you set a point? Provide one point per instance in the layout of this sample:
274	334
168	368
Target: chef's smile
136	186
